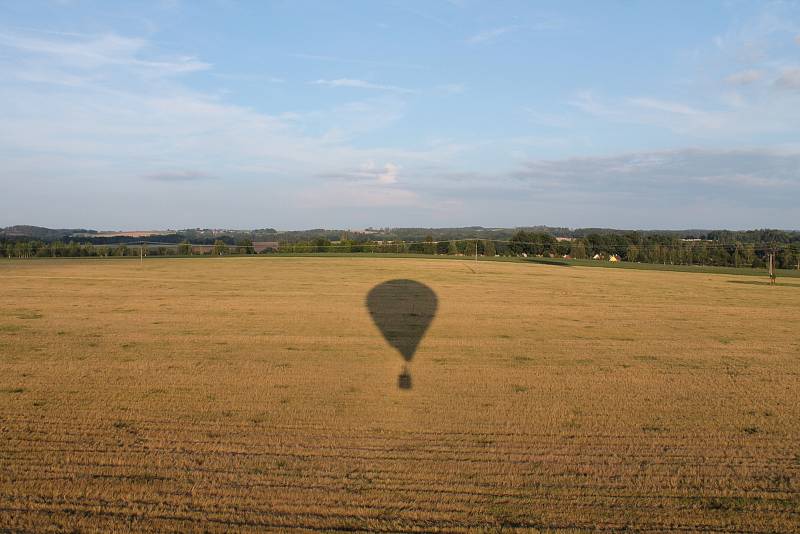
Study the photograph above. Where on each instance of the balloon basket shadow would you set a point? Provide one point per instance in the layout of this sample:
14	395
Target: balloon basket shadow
404	380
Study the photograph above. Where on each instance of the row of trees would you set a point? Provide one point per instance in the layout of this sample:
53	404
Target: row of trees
633	247
57	249
74	249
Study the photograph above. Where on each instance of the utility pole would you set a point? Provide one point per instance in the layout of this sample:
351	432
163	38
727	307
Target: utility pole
476	251
772	267
141	254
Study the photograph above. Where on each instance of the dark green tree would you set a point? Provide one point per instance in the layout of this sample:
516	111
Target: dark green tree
577	249
220	248
244	245
429	247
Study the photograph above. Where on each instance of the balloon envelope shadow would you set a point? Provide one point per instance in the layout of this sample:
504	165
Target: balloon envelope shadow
402	310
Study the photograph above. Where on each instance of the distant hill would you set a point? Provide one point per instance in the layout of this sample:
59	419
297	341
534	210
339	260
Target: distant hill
41	233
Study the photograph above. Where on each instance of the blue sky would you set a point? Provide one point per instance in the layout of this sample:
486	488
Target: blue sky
301	114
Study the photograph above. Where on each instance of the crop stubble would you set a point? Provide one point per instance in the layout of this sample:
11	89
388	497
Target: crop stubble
255	394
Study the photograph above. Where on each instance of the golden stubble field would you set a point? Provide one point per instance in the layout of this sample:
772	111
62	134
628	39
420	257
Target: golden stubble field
256	394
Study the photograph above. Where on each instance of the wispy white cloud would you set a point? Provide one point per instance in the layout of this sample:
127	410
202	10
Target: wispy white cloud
682	174
789	78
685	188
451	88
368	173
745	77
179	176
249	77
404	6
543	118
361	84
491	34
733	99
389	174
88	52
356	61
538	24
344	195
586	100
664	105
754	40
723	116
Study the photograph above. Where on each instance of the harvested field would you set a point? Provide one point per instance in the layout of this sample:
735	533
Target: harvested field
256	394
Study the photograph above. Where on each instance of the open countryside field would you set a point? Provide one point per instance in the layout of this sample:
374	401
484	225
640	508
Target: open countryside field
257	394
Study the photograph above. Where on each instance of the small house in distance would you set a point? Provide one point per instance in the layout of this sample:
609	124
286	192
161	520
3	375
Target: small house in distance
262	246
202	249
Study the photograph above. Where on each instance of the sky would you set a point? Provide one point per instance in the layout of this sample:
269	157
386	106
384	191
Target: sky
307	114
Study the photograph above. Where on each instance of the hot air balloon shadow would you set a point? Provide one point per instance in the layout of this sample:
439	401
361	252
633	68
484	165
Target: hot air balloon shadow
402	310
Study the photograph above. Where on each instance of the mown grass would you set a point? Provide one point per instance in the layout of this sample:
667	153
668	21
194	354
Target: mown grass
255	394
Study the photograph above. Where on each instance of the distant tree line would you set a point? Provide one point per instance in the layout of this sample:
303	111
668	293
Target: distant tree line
660	248
644	247
74	249
631	246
